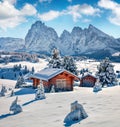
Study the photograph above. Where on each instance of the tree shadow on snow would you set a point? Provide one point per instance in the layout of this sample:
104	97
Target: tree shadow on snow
29	102
24	91
68	124
7	115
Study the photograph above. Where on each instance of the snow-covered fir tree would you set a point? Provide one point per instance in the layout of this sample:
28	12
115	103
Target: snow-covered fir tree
33	70
69	64
83	71
40	93
12	93
55	61
26	70
97	87
6	60
15	108
52	89
3	91
77	113
106	74
20	81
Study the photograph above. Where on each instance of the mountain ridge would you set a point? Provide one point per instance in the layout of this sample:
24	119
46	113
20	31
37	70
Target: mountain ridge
42	39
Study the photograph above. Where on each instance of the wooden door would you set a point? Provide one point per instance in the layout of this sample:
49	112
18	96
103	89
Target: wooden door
61	84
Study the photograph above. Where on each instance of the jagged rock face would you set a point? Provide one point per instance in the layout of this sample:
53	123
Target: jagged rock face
11	44
91	40
65	43
40	38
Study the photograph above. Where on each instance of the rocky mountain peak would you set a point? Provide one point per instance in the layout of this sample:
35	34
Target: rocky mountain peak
76	30
89	41
40	38
38	24
65	33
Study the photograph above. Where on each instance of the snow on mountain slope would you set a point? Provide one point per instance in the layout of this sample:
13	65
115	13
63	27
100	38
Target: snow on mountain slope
40	38
102	108
116	54
90	40
65	44
11	44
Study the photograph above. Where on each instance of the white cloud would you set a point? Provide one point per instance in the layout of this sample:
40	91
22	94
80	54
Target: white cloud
11	17
76	11
11	1
49	15
88	10
28	10
107	4
7	10
114	7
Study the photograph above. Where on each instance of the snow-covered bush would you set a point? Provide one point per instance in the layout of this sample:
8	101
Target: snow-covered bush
97	87
77	113
15	108
40	93
106	73
3	91
52	89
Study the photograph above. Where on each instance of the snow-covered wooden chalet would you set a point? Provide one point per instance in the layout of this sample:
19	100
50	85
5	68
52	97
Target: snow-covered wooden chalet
60	78
88	80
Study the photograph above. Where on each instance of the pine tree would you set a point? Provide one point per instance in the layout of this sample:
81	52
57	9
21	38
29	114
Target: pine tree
40	94
15	108
6	60
20	82
52	89
20	66
55	61
3	91
106	73
12	93
69	64
26	70
33	70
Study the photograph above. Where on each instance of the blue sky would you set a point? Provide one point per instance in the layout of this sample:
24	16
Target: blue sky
17	16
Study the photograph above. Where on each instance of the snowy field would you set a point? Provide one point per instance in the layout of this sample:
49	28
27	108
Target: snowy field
103	108
37	66
91	65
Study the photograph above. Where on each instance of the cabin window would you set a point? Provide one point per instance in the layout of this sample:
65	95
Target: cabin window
61	83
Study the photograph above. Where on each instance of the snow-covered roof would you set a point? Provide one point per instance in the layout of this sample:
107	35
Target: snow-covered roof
88	74
49	73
